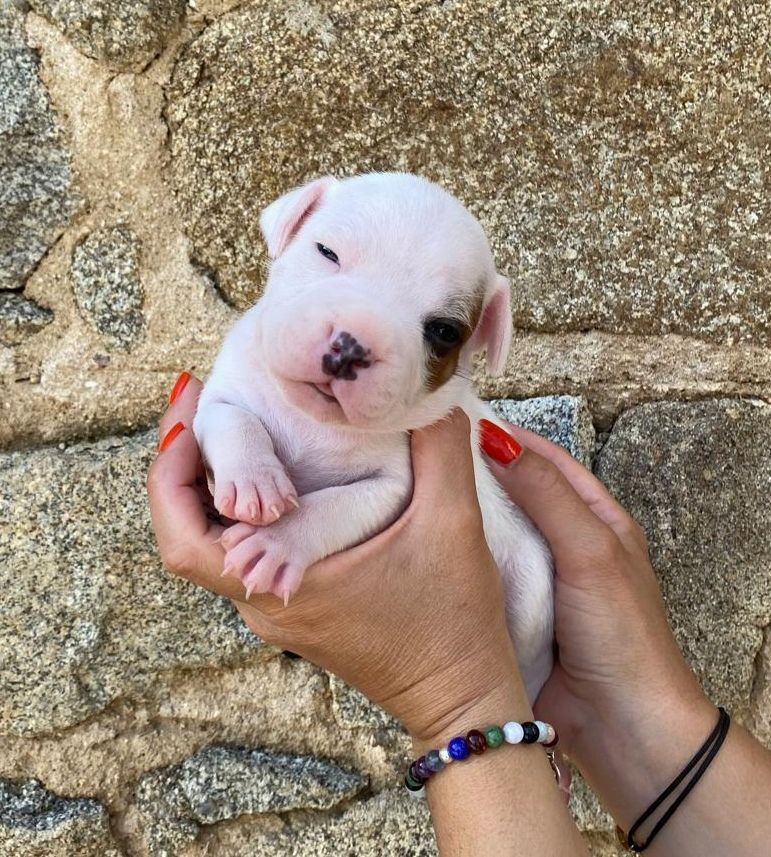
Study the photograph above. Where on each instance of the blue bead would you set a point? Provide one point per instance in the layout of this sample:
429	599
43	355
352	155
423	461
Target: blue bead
433	761
458	748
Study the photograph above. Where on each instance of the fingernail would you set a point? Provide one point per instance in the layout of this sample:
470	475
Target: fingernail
287	596
179	387
294	501
276	512
497	443
176	429
226	571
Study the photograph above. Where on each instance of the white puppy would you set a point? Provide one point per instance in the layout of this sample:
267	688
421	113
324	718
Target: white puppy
382	288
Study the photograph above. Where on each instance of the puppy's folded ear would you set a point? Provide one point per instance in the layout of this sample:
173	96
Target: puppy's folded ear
282	219
493	330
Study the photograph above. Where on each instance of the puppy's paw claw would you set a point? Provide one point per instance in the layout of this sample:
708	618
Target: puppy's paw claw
260	497
225	499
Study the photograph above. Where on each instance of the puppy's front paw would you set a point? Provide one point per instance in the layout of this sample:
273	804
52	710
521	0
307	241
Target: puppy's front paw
263	559
259	492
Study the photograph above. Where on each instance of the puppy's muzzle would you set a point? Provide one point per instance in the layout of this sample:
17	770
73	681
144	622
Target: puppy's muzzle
345	356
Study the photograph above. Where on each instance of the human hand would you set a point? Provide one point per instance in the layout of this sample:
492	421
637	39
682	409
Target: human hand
621	694
413	618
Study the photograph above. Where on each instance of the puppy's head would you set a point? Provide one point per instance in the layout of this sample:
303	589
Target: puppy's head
381	288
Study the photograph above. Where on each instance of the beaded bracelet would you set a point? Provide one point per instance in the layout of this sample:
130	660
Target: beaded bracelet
476	742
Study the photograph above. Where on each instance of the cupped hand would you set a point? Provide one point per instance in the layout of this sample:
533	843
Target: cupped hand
621	689
413	617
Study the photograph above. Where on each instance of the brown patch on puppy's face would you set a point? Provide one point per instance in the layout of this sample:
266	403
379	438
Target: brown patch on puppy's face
445	334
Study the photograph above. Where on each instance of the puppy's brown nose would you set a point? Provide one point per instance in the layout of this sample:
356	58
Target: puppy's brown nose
345	356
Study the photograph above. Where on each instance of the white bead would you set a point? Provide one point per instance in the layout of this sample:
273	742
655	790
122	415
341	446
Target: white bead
418	793
552	734
444	755
513	732
543	731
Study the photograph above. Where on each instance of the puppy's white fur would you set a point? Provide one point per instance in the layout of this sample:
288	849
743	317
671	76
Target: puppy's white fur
274	426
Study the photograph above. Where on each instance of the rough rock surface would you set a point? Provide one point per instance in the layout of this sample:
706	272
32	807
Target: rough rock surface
36	823
615	152
77	553
564	420
389	824
697	476
222	783
354	711
105	274
125	36
761	720
35	198
20	317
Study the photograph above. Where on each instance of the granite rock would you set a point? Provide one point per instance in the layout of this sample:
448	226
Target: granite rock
37	823
353	710
614	152
222	783
125	36
760	720
77	553
589	815
20	317
389	825
605	846
697	476
105	274
564	420
36	201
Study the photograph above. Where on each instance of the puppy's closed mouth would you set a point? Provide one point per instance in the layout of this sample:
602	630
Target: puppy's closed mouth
325	391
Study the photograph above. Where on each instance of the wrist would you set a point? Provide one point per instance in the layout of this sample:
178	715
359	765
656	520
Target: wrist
496	695
631	751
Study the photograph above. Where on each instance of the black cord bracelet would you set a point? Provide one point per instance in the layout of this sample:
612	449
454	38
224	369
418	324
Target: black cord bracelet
707	753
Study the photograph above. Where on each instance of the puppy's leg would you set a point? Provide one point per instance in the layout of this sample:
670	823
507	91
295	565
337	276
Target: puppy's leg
274	559
250	483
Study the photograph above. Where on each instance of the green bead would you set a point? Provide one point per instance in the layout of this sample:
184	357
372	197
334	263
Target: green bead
493	736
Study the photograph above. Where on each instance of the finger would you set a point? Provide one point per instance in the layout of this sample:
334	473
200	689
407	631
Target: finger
183	408
541	490
442	464
187	539
587	486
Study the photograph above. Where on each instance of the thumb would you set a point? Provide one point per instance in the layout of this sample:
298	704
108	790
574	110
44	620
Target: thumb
442	464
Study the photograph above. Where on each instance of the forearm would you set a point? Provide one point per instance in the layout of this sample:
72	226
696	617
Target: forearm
728	812
505	802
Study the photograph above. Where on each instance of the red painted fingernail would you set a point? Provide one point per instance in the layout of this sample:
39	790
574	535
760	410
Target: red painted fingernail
179	387
176	429
497	443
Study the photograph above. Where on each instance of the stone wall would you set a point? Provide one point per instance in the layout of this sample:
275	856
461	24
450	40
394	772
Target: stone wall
617	155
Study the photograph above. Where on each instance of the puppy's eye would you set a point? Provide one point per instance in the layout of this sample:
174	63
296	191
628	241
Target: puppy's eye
328	254
441	334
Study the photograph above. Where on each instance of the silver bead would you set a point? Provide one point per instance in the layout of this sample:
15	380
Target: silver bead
444	755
